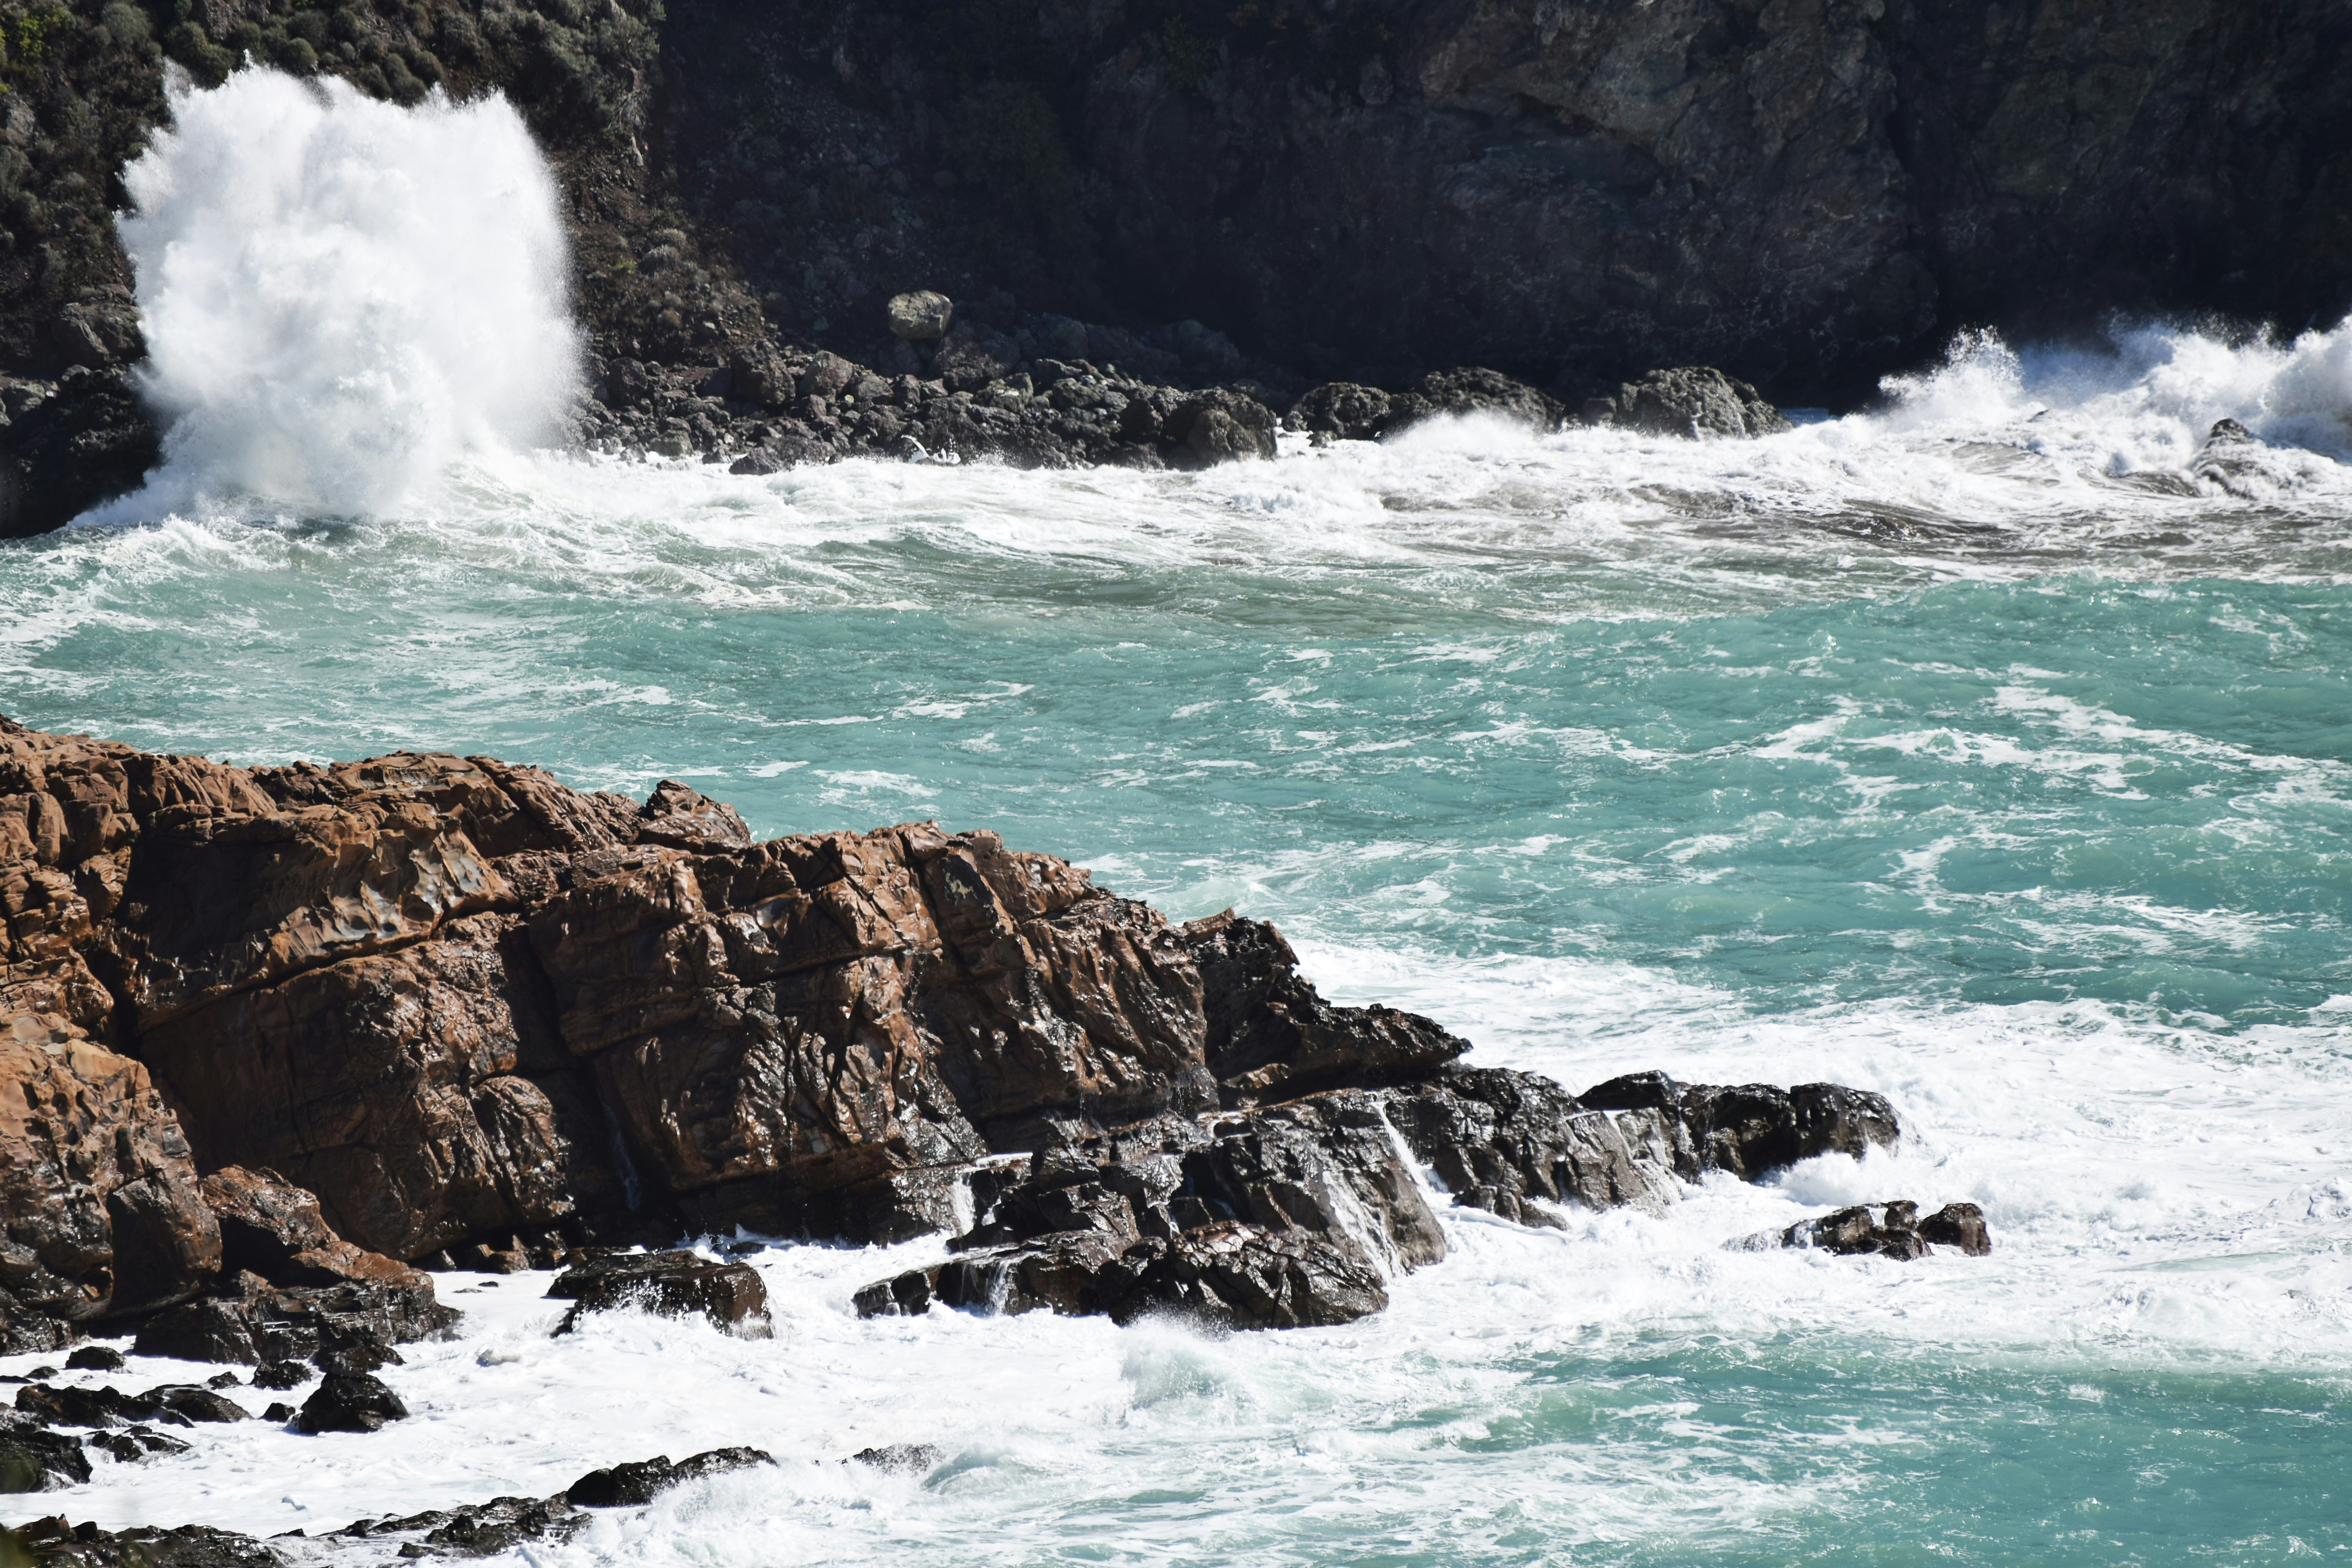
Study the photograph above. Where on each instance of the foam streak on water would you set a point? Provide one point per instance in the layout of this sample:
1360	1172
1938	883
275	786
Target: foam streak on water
1992	750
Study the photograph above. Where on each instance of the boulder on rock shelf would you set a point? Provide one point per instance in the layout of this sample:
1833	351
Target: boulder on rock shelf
1474	389
267	1324
670	1284
1219	426
1695	401
1340	410
921	315
630	1485
351	1402
273	1228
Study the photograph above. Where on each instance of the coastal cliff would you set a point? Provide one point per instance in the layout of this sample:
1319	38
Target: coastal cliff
1806	192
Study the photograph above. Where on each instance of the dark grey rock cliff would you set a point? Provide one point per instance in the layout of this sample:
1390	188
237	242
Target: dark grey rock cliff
1805	192
1808	193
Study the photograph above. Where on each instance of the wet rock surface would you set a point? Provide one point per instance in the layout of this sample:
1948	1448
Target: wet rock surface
1892	1229
351	1402
902	1458
65	1545
443	1009
624	1486
671	1284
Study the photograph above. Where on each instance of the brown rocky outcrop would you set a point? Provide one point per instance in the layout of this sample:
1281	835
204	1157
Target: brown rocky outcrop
277	1033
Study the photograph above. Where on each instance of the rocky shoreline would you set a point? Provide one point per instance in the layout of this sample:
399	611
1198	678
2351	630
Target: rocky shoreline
284	1040
973	395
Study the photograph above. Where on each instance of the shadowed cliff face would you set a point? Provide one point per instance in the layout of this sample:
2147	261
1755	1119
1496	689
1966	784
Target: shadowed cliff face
1809	194
1806	192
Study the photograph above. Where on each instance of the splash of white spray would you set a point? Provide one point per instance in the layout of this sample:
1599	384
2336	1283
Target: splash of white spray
340	297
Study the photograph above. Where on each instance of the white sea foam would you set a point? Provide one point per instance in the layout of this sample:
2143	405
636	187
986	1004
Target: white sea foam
2160	1200
340	297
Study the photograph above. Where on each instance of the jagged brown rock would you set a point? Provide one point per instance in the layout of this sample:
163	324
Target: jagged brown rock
436	1008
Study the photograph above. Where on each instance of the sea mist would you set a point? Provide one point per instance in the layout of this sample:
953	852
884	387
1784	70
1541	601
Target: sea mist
342	296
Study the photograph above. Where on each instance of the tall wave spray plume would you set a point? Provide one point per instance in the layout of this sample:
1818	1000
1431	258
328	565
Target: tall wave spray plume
342	296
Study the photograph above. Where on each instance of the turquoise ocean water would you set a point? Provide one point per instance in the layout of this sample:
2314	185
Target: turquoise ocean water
1981	749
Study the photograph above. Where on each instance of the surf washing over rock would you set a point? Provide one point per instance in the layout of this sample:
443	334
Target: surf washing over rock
1662	978
341	298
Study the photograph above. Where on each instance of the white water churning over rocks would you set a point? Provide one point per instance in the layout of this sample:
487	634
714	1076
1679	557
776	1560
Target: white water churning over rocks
342	296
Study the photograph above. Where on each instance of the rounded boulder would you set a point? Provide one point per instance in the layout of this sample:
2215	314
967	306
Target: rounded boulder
922	316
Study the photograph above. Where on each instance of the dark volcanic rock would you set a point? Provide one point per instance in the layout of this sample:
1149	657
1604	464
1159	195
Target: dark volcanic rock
1474	389
1497	1139
1752	1129
1958	1225
1695	402
96	1358
476	1529
1269	1034
626	1486
907	1458
1219	427
137	1445
32	1459
1341	410
90	440
54	1540
672	1284
277	1325
178	1404
1888	1230
351	1402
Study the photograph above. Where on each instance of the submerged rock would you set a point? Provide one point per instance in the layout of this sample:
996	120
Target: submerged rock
1888	1230
625	1486
903	1458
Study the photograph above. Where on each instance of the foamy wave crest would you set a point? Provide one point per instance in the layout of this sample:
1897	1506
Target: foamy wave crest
2150	393
342	296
